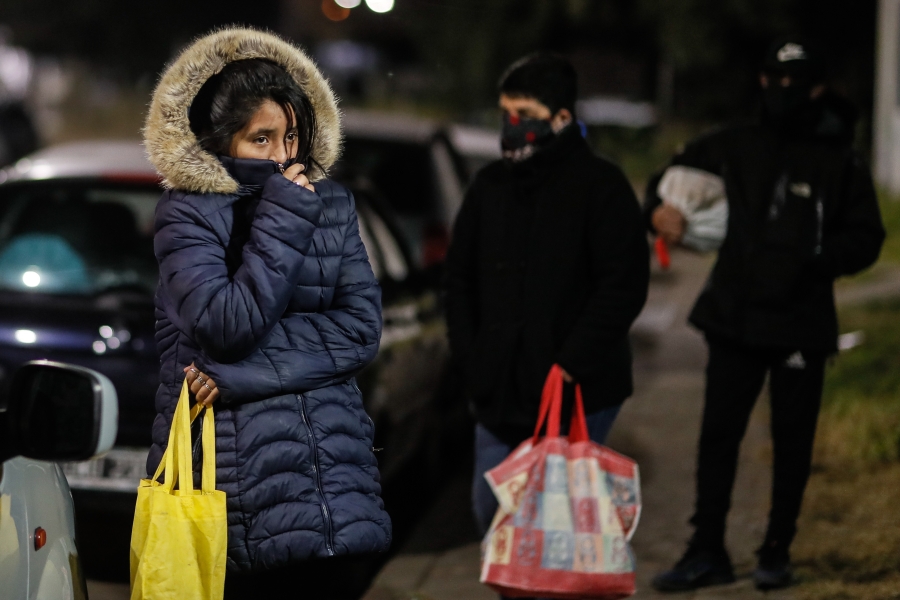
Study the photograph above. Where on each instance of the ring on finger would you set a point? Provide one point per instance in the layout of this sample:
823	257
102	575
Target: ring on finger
206	385
200	379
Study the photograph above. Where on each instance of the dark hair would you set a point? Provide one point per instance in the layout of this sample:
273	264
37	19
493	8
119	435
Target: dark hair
230	98
548	78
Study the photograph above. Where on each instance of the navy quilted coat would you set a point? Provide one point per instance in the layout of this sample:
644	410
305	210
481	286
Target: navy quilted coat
267	287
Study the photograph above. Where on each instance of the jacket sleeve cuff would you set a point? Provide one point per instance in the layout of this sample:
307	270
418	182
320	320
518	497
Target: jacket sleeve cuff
286	194
249	380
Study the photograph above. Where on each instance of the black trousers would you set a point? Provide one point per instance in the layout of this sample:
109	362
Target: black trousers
735	377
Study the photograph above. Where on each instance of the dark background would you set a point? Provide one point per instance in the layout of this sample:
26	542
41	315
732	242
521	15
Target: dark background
695	59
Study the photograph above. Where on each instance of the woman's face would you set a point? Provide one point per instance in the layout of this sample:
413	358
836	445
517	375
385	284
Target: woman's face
266	135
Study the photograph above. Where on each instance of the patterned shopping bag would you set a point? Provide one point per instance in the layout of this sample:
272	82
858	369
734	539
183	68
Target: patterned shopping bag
568	508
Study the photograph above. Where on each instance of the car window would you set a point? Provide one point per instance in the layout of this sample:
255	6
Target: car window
385	254
77	237
449	181
400	171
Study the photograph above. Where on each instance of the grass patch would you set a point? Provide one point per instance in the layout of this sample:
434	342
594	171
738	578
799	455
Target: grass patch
848	545
860	421
890	214
643	152
849	540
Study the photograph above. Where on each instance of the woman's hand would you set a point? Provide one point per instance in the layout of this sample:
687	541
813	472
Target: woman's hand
669	223
203	388
295	174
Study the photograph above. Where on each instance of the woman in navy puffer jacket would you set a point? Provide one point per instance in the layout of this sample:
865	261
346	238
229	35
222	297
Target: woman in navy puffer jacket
266	293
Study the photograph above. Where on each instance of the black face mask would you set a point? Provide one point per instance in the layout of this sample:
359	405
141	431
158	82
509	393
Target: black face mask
519	133
785	102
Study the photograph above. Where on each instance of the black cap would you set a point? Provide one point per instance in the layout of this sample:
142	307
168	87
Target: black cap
794	56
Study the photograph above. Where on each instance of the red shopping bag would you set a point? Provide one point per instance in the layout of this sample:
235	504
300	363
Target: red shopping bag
568	508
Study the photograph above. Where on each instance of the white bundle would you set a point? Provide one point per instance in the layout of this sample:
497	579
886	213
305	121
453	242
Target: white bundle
700	197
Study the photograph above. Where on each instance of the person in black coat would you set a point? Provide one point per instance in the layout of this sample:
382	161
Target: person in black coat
548	264
802	211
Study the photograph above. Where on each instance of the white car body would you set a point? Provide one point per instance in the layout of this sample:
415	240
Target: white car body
35	495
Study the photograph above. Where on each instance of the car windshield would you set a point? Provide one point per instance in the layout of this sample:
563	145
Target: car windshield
401	171
77	237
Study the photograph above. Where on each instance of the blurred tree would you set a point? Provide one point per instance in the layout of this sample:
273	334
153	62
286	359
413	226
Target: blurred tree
130	38
701	57
713	48
697	58
709	51
467	43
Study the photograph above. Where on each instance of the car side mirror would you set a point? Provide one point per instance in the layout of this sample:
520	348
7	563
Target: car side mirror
60	412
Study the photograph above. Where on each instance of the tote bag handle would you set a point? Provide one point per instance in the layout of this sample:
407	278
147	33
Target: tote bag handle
177	458
551	410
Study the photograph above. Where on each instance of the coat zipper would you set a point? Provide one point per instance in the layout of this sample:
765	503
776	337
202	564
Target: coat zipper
820	219
314	448
779	197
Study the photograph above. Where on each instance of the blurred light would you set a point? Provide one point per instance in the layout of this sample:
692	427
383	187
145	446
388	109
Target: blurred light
348	3
848	341
380	6
606	110
124	335
333	11
31	278
113	343
106	331
99	347
26	336
346	57
41	171
16	71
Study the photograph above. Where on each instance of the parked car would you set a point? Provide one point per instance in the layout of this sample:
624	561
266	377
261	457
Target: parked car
77	277
414	166
477	146
53	412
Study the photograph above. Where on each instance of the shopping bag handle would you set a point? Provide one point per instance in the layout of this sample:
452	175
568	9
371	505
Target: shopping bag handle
170	447
177	458
550	410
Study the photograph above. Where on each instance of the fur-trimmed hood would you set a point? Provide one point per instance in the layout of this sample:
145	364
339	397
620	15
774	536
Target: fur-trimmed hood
171	145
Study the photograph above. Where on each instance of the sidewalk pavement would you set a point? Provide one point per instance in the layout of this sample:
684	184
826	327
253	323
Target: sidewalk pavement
659	427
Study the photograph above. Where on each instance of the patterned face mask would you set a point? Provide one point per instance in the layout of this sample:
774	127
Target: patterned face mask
521	138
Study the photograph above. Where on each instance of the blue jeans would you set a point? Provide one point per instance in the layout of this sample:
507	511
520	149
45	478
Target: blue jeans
490	452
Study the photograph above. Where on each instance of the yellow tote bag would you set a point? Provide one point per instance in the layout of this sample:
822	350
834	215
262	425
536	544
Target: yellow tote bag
179	538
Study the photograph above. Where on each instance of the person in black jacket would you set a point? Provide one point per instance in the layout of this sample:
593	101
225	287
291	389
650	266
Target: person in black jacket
802	211
548	264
